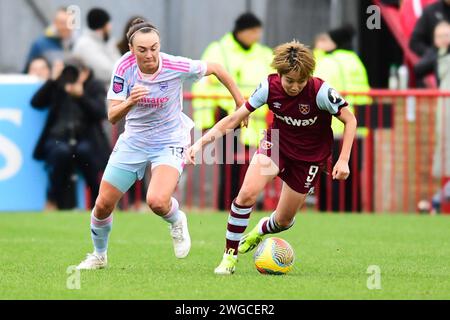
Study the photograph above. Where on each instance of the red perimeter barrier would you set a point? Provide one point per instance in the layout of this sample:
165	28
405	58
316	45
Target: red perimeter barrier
392	164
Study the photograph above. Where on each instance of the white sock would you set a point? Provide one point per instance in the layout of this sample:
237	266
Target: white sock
100	230
174	213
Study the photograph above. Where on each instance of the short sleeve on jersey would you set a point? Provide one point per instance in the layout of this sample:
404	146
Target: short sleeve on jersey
328	99
189	69
118	88
259	97
197	70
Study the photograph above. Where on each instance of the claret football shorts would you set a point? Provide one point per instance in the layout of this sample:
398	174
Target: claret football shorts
300	176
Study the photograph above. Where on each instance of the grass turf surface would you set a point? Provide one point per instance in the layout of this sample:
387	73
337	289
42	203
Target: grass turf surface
333	253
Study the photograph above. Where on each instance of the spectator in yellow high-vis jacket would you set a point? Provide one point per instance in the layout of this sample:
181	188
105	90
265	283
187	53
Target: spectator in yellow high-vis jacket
342	68
247	61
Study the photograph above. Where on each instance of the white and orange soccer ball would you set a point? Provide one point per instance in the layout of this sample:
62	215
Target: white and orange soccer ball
424	206
274	256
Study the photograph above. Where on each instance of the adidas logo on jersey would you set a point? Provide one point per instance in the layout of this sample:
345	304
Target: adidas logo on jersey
297	122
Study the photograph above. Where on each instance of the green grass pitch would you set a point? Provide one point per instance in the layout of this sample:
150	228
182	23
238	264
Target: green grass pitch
333	253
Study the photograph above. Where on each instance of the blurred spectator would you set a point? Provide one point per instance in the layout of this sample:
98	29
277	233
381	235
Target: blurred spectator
410	12
73	137
56	42
248	62
40	68
422	36
441	159
342	68
429	61
123	45
96	47
323	44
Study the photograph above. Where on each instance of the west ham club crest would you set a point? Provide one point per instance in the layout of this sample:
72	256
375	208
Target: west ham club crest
304	108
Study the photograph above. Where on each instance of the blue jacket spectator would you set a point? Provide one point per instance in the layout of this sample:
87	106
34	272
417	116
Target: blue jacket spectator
56	42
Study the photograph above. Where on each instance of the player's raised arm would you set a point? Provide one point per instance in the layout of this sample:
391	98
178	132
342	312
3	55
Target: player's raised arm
258	99
341	170
330	100
223	76
228	123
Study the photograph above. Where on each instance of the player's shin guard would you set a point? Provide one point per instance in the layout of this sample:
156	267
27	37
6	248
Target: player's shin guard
270	226
100	230
237	223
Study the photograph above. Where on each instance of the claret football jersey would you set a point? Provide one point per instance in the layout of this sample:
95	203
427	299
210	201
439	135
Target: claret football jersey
304	121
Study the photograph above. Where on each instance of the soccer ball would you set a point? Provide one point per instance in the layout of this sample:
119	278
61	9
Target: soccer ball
424	206
274	256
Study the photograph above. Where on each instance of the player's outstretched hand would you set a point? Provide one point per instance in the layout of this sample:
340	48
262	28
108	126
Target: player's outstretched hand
190	154
341	171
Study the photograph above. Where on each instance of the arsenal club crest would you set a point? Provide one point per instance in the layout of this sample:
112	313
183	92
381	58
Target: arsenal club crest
304	108
163	86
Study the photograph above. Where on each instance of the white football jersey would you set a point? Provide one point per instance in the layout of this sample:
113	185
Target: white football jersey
157	120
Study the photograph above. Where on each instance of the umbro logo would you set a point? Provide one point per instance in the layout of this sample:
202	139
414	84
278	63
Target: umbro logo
277	105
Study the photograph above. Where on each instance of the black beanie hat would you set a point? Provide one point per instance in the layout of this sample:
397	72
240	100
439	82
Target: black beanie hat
343	36
97	18
246	21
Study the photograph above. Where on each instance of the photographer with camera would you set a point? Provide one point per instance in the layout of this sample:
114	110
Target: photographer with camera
73	138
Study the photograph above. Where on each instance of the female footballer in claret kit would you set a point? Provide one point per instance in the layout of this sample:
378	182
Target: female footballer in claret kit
146	88
296	147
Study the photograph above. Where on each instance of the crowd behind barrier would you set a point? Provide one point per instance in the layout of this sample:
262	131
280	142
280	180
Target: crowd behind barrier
398	170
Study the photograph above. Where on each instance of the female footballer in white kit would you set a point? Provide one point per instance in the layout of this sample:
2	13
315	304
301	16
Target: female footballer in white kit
146	88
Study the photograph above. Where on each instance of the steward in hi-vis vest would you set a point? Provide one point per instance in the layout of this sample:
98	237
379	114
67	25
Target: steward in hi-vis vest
248	62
